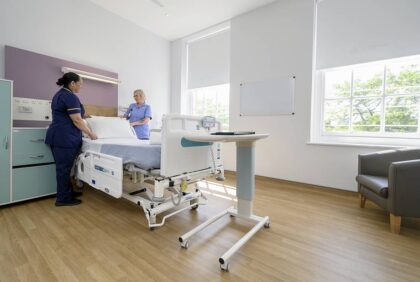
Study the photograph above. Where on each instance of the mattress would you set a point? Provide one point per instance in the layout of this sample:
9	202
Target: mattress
130	150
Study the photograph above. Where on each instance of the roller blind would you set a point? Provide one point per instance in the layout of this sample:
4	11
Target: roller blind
208	60
359	31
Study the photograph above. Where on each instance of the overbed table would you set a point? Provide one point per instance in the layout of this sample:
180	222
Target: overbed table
245	190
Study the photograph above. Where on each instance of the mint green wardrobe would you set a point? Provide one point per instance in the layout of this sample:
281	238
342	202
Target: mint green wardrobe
6	88
27	168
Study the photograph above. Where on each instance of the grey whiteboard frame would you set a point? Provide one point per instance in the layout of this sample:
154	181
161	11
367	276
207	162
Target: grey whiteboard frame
291	94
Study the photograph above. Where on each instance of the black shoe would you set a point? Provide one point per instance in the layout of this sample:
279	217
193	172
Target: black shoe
77	194
69	203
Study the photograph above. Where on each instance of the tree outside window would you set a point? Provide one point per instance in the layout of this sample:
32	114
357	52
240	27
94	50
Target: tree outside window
373	99
211	101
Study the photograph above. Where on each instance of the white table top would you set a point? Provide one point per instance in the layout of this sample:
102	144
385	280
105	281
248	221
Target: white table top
206	137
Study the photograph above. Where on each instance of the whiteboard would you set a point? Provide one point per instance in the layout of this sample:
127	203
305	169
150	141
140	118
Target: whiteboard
267	98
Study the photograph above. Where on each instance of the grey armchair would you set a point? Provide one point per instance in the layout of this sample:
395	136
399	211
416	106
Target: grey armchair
391	179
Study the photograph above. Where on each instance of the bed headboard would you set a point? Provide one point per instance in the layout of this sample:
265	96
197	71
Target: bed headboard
91	110
179	155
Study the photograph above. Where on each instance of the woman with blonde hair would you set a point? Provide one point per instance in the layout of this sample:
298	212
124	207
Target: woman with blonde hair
139	114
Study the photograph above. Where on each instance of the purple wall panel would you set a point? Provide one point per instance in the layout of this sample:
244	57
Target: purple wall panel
34	76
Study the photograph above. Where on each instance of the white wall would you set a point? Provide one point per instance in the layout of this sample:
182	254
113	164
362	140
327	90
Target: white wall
82	32
178	77
276	41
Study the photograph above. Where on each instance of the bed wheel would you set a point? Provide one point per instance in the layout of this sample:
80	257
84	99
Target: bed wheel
192	202
151	228
220	178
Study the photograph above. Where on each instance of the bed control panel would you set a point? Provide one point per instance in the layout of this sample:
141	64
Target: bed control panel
208	122
104	170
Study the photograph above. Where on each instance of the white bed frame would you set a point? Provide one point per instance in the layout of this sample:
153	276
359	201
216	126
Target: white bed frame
183	162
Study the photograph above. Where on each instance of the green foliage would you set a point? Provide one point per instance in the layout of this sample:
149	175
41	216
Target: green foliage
204	104
342	90
405	82
401	112
372	87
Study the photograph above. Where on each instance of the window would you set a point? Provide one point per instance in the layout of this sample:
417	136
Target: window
211	101
380	99
207	59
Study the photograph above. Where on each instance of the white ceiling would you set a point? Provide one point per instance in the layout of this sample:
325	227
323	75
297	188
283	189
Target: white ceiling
173	19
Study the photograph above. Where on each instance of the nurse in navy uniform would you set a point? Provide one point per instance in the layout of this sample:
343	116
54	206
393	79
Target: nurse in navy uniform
64	135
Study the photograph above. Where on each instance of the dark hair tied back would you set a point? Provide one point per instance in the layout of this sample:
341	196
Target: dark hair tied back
67	79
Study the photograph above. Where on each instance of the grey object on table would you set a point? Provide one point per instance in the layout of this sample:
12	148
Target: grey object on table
391	179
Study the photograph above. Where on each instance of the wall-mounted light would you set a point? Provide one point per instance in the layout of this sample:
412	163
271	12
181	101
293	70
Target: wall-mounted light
92	76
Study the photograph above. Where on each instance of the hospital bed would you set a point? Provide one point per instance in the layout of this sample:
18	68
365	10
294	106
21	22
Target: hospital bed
161	170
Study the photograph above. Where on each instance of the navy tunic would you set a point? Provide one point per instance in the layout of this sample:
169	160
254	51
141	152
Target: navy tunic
62	132
64	139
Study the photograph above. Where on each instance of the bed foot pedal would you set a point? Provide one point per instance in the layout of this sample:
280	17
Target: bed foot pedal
138	192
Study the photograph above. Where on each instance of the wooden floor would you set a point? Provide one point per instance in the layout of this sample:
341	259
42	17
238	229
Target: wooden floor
316	235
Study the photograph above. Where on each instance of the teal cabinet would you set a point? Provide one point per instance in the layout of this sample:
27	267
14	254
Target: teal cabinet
34	181
29	147
5	140
33	173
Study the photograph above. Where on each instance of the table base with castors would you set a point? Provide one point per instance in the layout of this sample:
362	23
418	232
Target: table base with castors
224	259
245	164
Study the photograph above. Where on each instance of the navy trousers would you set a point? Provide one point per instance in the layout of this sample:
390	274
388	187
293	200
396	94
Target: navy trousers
64	159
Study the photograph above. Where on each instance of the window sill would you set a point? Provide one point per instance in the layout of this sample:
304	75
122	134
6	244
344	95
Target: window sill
357	145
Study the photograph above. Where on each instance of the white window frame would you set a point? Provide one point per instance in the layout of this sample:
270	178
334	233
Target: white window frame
386	139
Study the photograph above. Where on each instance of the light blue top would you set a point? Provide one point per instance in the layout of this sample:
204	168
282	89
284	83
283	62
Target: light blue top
138	113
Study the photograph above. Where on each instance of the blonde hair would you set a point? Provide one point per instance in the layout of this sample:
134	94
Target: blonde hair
139	92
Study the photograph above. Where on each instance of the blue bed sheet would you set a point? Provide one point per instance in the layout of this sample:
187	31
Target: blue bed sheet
143	156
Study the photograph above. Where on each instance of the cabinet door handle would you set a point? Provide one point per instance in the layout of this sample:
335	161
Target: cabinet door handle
6	142
37	140
36	157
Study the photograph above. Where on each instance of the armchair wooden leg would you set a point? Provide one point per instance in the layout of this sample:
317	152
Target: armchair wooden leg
395	222
362	201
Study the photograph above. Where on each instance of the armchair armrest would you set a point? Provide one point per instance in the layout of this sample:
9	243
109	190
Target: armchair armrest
404	188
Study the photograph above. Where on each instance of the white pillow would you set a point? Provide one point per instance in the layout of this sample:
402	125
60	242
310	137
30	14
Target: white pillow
111	127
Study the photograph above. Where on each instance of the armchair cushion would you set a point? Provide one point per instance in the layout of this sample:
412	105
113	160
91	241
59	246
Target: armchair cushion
376	184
